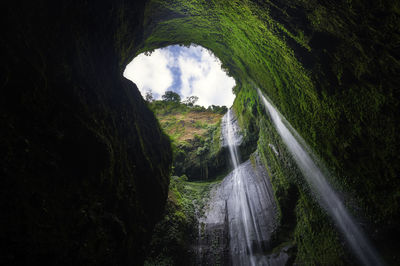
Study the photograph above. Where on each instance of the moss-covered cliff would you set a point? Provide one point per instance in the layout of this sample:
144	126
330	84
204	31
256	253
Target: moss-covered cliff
83	178
84	165
332	70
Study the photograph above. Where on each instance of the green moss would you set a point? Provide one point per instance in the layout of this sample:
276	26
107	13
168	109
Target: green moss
317	240
330	68
174	235
302	222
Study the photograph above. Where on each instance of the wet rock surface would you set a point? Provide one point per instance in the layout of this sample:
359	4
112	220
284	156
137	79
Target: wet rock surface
238	136
221	235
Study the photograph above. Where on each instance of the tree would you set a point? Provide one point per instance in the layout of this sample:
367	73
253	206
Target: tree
190	101
148	53
223	110
149	96
171	96
219	109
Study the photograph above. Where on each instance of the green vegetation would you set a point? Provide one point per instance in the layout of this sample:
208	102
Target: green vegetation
302	221
84	180
176	233
195	134
191	100
330	70
316	238
337	107
171	96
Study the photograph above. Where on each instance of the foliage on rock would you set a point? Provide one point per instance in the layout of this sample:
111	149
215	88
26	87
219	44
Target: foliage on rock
195	132
175	235
331	70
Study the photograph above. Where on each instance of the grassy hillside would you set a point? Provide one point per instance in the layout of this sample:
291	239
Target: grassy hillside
183	123
195	134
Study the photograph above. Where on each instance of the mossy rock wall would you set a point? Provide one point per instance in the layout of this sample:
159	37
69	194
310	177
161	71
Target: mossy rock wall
82	162
85	167
331	68
302	221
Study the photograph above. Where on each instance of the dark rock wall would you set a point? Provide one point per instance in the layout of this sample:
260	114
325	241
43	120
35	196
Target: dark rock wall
84	165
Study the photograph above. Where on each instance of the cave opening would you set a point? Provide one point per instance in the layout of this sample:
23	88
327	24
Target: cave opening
191	71
87	165
285	60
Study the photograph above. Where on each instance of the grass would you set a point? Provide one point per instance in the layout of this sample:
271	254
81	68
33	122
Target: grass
184	127
182	123
195	135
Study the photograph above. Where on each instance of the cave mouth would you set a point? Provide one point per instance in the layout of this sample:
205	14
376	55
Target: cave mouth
188	70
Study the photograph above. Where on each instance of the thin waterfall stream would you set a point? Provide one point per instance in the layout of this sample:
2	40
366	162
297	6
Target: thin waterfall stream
244	233
242	212
326	196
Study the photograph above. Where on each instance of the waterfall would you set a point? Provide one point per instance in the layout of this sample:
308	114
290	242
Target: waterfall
242	211
326	196
244	234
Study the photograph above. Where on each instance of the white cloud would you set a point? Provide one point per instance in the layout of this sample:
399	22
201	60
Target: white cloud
151	72
205	78
201	74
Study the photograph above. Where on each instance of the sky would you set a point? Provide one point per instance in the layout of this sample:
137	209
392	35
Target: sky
188	71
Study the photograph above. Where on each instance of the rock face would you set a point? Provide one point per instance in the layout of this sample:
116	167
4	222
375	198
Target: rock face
84	165
222	238
84	169
331	68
